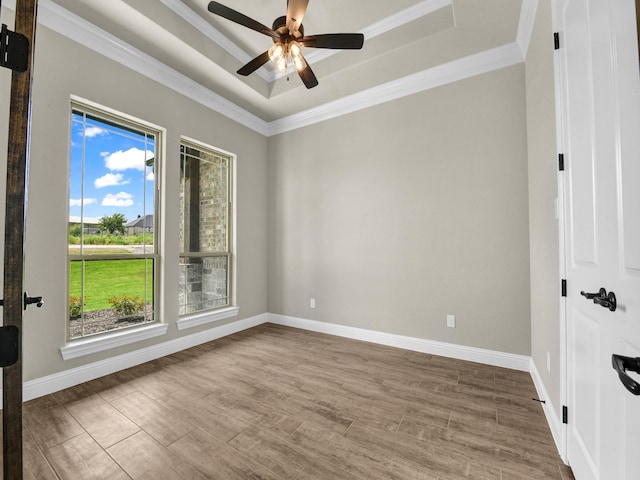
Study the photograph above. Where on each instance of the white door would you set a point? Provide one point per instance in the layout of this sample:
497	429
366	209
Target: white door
599	95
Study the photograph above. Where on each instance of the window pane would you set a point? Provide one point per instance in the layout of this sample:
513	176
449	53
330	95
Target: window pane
204	197
111	188
203	283
112	225
109	294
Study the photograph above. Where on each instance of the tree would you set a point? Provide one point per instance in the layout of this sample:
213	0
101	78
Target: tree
112	224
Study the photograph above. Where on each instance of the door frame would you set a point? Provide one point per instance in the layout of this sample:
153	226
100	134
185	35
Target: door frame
560	118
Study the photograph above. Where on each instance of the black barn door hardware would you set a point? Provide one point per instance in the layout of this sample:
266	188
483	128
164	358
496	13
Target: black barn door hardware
621	365
27	300
602	298
14	50
8	345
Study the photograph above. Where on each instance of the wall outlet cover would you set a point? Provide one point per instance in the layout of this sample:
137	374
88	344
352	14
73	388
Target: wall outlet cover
451	321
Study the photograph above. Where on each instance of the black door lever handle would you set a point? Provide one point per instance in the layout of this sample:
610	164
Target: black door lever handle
608	302
621	365
589	296
602	298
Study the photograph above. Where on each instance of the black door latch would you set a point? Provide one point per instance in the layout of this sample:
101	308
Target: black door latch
27	300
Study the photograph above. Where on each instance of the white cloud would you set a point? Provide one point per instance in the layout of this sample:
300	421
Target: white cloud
109	180
94	131
121	199
150	176
77	202
134	158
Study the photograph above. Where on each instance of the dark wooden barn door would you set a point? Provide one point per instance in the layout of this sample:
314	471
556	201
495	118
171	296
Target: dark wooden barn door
14	299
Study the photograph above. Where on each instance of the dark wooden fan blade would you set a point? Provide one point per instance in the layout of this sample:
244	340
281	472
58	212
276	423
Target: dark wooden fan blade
295	13
342	41
254	64
308	77
237	17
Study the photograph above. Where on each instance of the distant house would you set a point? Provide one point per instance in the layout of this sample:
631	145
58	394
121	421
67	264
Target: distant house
90	224
140	225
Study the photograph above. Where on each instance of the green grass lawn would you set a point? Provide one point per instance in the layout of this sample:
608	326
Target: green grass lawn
108	278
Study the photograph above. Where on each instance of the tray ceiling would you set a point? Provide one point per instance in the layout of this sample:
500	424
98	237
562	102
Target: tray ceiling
403	39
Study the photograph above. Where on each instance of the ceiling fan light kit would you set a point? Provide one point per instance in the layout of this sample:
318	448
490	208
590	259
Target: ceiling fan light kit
288	37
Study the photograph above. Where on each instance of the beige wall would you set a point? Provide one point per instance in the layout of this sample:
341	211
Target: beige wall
391	217
65	68
543	191
397	215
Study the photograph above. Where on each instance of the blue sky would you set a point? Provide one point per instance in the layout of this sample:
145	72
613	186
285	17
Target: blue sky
116	178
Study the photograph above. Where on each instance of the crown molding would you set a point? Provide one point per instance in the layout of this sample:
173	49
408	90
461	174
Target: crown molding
378	28
213	34
385	25
466	67
79	30
76	28
526	24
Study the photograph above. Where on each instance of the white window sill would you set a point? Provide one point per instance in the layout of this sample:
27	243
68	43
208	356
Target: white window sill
208	317
87	346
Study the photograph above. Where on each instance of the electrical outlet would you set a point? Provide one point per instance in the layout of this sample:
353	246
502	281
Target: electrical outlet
451	321
548	362
312	303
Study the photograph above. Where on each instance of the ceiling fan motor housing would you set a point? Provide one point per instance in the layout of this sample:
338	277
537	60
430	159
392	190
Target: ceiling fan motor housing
280	26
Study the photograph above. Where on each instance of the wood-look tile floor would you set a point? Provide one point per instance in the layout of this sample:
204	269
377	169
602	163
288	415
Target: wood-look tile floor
278	403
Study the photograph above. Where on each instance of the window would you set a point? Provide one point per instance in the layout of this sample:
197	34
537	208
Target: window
205	229
113	222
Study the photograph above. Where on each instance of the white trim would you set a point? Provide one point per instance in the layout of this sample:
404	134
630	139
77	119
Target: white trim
68	378
208	317
385	25
483	62
558	431
89	345
405	16
213	34
396	20
81	31
558	68
525	27
461	352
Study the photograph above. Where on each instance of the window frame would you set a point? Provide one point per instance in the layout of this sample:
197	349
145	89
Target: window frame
90	343
192	319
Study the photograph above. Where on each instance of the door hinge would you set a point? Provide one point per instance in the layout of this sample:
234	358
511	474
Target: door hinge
564	287
556	41
565	414
14	50
561	162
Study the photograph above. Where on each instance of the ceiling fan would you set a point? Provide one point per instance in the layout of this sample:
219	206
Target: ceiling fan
288	39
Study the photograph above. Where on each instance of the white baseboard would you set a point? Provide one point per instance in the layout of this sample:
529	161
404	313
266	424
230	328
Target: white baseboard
461	352
558	431
68	378
487	357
